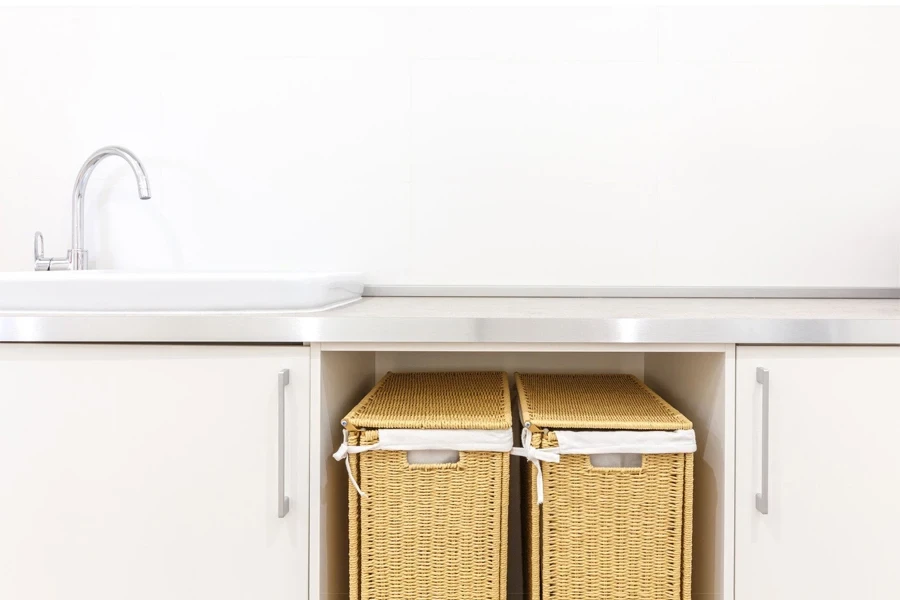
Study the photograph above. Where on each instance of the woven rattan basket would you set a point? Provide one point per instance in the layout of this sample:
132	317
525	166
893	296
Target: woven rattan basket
604	532
429	531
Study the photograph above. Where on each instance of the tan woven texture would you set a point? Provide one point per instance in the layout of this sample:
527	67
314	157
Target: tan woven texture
607	533
594	402
475	400
430	531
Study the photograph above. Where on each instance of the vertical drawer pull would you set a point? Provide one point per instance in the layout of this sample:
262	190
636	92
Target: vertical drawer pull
284	503
762	498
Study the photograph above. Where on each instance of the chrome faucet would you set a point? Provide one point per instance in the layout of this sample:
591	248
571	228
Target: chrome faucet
77	257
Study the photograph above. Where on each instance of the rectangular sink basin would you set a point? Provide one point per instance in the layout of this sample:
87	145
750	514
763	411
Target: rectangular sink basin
176	291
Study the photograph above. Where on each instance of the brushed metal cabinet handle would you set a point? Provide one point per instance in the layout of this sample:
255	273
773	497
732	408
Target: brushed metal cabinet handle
762	498
284	503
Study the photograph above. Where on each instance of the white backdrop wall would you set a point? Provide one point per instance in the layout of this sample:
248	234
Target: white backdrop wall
734	146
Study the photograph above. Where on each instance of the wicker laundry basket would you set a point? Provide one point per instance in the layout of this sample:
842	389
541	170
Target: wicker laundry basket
429	531
620	530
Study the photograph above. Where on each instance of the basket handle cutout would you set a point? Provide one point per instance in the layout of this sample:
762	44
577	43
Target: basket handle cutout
617	461
432	457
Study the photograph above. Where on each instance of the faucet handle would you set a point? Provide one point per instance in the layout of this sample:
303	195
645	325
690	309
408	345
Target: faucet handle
40	263
38	246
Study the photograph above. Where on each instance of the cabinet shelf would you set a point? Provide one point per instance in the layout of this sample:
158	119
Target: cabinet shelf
697	380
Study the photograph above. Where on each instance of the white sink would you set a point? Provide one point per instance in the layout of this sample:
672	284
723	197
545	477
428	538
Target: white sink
176	291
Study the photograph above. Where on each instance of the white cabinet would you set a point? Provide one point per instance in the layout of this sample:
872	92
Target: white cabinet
152	472
833	525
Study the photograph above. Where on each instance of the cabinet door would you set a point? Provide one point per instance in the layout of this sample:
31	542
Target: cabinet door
833	521
151	472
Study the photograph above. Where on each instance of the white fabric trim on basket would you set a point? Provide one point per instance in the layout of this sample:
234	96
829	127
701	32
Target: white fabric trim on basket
681	441
605	442
460	440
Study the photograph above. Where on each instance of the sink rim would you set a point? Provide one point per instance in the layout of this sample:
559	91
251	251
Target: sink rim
125	292
187	276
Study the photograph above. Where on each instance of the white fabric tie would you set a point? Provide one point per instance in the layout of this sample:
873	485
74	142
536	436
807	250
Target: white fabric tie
344	452
535	456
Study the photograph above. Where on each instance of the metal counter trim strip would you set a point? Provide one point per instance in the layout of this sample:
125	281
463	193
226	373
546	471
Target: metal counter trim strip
292	329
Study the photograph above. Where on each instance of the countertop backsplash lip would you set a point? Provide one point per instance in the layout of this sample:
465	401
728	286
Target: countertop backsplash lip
590	291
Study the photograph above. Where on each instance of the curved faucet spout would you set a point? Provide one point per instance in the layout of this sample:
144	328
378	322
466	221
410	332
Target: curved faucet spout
77	254
77	258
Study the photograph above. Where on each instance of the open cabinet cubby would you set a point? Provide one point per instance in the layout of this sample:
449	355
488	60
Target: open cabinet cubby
698	380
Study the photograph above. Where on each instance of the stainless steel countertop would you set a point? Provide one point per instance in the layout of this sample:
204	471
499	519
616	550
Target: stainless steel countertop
493	320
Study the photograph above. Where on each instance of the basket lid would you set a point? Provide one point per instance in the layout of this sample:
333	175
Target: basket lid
471	400
594	402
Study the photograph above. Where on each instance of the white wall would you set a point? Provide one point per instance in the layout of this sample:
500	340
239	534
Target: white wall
755	146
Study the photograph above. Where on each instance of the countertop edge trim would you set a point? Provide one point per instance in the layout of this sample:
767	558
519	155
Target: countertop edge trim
266	329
